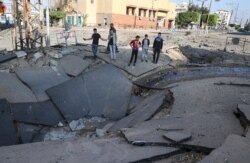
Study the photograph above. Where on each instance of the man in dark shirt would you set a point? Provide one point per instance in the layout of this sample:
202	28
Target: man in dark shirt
95	37
114	30
158	44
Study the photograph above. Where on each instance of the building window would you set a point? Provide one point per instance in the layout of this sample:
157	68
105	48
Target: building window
143	12
92	1
152	14
130	11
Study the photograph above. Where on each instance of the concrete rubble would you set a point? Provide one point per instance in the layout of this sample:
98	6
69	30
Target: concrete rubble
59	104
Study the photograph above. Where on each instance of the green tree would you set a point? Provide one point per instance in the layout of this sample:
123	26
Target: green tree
213	18
55	15
84	18
185	18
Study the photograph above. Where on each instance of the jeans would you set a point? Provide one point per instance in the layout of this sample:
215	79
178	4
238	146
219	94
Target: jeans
94	50
112	52
108	49
156	55
134	55
144	54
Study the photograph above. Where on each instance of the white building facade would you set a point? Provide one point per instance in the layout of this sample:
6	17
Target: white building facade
224	17
181	7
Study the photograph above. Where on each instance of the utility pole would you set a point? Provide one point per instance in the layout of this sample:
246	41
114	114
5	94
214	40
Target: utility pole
25	35
236	13
202	6
48	25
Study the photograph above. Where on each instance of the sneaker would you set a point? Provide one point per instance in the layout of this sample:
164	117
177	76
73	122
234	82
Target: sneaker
142	60
129	64
134	64
146	60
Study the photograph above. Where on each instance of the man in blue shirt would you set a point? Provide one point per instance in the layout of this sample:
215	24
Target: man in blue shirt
158	44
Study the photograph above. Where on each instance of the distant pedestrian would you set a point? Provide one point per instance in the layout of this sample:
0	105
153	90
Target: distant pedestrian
114	31
135	45
158	44
112	42
95	37
145	46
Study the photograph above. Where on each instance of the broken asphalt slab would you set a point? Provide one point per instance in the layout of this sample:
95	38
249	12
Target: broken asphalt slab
40	113
166	77
7	57
14	90
143	111
8	132
74	65
71	98
103	91
234	149
41	79
217	128
84	150
28	132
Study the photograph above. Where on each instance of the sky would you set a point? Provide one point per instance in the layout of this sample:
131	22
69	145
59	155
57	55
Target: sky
243	11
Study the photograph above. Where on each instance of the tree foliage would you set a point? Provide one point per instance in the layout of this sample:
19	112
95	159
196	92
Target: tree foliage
213	18
185	18
196	8
57	15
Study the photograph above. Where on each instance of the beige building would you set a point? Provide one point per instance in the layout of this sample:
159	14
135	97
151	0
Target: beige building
123	13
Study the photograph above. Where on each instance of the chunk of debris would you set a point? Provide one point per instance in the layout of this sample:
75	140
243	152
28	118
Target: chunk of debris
93	94
41	79
175	54
76	125
234	149
21	54
40	113
37	56
144	111
54	54
8	132
59	134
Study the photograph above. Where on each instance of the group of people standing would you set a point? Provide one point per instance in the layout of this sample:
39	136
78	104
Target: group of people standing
135	45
